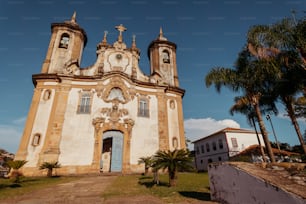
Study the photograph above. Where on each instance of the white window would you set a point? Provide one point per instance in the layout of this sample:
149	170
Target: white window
234	142
143	107
85	103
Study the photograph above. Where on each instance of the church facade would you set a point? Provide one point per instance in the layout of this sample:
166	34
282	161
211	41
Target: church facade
102	118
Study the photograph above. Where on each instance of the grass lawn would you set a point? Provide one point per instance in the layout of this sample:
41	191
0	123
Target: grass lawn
28	184
189	186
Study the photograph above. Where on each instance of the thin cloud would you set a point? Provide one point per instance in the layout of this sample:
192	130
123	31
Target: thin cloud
198	128
19	121
10	137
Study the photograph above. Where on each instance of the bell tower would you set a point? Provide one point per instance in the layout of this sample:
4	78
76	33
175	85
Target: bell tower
162	55
66	45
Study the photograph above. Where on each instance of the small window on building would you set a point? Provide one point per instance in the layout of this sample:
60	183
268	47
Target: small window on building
64	41
201	161
214	146
219	158
85	103
36	139
166	56
207	147
234	142
143	107
47	95
220	144
198	150
210	160
202	149
174	142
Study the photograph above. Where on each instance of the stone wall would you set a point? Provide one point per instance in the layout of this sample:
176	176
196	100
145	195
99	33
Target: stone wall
240	183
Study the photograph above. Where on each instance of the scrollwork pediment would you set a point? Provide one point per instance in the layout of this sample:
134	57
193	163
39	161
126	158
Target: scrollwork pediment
115	91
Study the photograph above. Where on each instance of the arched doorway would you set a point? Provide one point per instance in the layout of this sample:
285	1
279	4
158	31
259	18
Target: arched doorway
112	148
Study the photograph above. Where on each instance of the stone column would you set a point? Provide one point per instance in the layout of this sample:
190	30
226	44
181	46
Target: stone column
129	123
51	150
163	122
181	123
97	123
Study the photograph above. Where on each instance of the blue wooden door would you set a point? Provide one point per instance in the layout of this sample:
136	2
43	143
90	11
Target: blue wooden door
116	149
116	162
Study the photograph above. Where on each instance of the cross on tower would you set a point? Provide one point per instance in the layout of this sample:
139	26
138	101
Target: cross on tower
121	29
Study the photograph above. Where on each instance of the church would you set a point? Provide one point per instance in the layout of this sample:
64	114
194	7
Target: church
104	117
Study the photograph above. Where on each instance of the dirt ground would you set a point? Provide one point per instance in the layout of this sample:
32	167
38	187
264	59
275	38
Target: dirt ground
84	190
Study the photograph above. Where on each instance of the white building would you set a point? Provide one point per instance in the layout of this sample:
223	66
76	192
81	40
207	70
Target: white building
107	115
222	145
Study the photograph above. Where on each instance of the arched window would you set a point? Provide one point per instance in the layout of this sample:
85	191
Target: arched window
115	93
166	56
64	41
36	139
47	94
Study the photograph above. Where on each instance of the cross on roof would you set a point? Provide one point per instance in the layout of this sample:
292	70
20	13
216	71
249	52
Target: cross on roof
121	29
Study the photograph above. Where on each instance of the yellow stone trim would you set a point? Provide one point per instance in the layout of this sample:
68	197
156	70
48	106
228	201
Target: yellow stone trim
51	149
23	147
163	122
126	128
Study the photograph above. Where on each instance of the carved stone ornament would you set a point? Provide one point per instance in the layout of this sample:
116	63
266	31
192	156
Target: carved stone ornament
114	114
116	91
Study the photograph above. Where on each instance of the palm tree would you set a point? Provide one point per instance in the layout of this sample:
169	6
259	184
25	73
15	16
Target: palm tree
50	166
16	165
178	159
147	161
242	105
251	76
286	40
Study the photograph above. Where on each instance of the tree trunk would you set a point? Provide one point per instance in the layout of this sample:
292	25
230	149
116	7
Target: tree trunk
155	177
264	132
172	179
49	172
146	171
291	114
259	142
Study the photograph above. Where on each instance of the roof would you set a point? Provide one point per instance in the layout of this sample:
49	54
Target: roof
254	149
225	130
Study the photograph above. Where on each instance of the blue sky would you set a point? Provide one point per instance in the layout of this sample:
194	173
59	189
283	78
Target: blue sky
208	33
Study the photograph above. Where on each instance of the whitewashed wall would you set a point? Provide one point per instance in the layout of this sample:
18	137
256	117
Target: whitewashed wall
229	184
77	141
39	126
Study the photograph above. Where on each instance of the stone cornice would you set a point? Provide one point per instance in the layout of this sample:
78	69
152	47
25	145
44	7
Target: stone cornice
58	78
